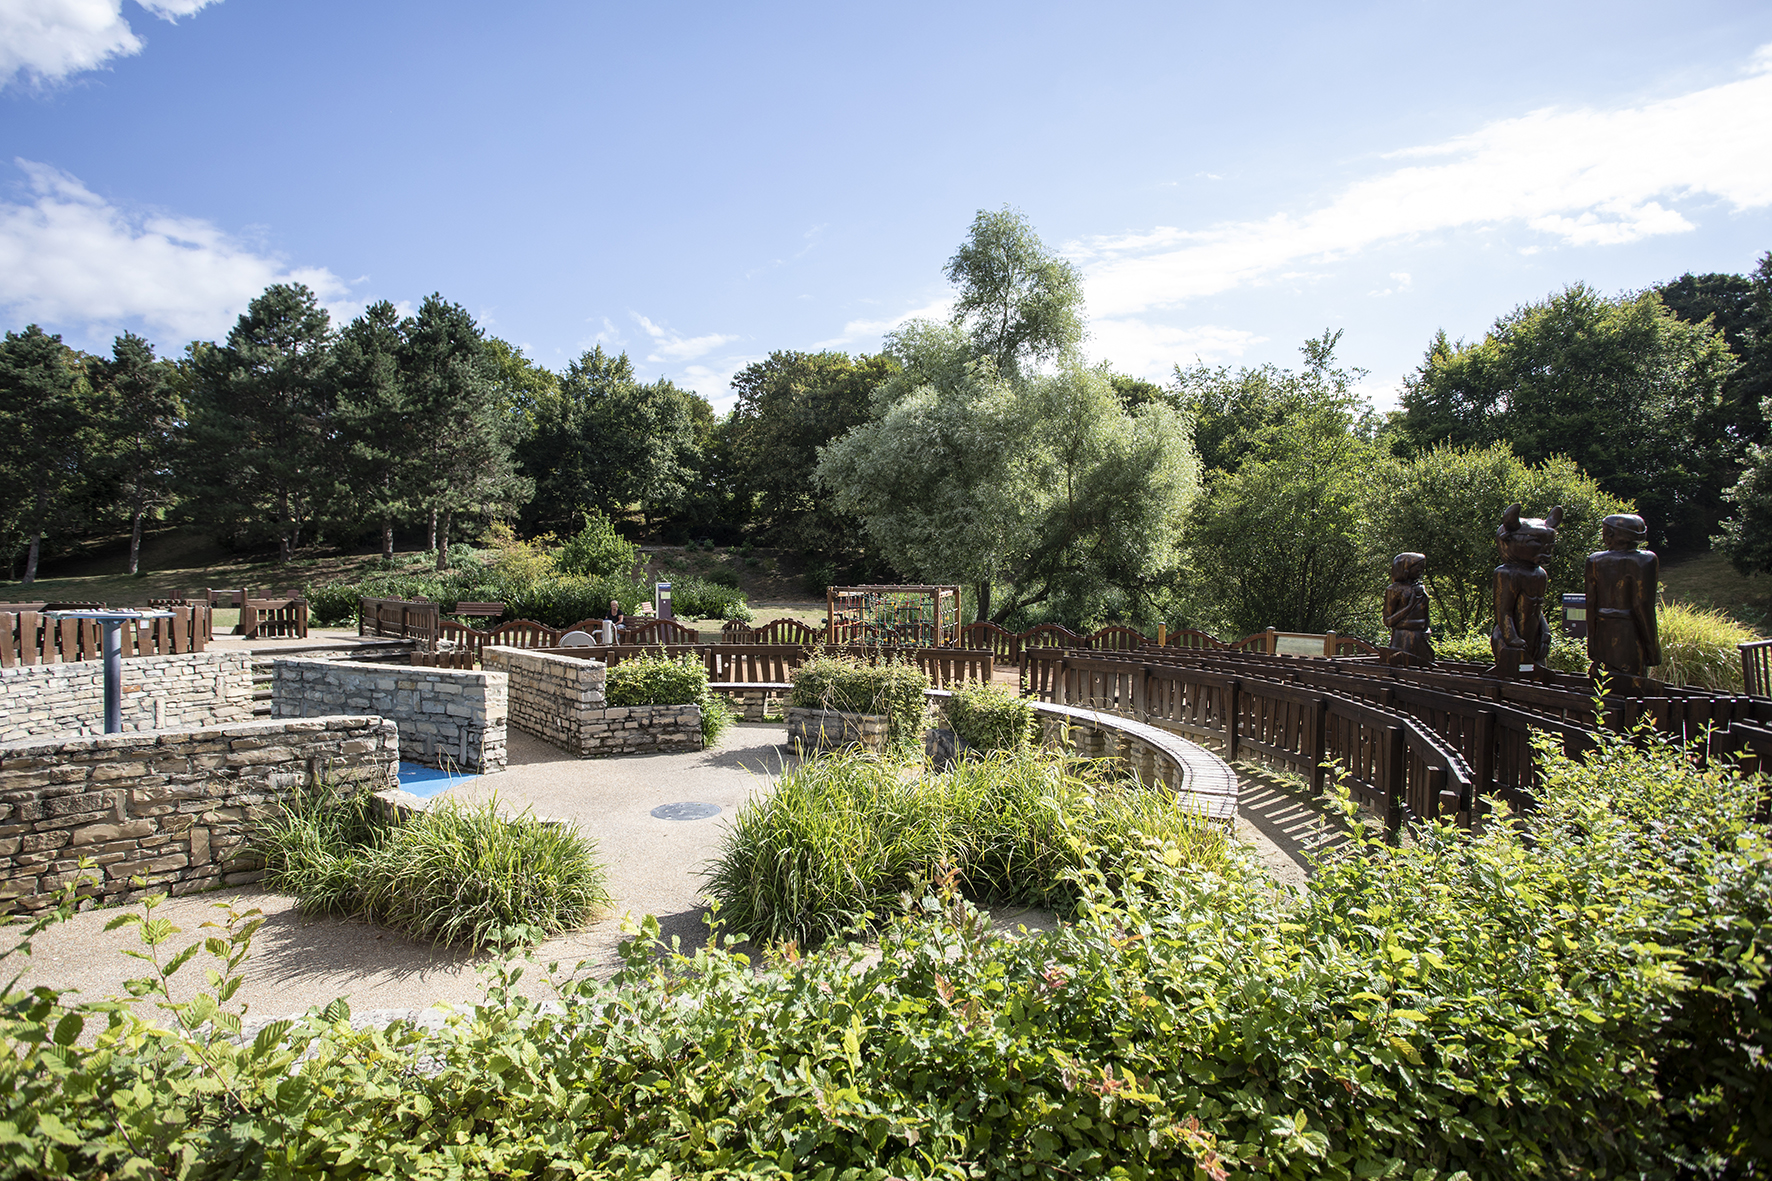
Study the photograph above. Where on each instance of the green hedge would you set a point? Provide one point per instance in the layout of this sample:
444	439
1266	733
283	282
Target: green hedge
1582	994
990	717
656	679
1567	655
892	688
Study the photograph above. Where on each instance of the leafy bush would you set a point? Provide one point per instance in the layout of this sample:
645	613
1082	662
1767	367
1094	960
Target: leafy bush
692	598
723	576
1699	647
451	874
1582	993
1567	654
990	717
656	679
332	606
597	551
892	688
841	836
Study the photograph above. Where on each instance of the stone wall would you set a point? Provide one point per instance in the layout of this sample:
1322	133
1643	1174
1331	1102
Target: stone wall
172	807
560	699
831	729
448	718
159	693
754	703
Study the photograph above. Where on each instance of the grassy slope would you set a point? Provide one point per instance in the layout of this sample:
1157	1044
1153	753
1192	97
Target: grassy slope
1708	580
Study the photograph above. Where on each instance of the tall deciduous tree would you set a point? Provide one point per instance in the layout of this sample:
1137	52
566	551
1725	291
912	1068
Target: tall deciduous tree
1019	303
262	443
789	406
1446	503
141	414
1630	392
45	417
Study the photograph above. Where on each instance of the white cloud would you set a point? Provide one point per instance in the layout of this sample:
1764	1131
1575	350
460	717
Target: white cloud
1584	177
714	382
48	40
68	257
1152	351
668	346
870	330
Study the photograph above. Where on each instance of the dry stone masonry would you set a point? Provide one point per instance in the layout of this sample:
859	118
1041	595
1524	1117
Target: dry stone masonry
560	700
172	807
831	729
448	718
159	693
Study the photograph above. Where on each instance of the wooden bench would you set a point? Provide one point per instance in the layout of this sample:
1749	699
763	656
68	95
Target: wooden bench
479	611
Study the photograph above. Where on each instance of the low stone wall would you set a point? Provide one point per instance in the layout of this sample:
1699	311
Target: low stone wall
172	807
448	718
754	702
159	693
560	700
831	729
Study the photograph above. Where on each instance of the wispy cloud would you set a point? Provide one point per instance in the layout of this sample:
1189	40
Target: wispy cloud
871	330
69	257
668	346
1152	351
49	40
1578	177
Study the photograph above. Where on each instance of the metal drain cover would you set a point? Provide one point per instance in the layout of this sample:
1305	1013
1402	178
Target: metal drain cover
686	811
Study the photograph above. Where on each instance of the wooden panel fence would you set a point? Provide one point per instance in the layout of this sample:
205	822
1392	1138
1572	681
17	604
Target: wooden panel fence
404	619
28	637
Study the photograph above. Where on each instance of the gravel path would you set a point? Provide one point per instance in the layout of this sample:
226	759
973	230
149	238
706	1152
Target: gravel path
654	865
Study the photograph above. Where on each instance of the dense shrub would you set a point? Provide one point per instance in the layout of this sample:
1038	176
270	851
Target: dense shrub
597	551
692	598
1567	654
451	874
891	688
990	717
842	836
657	679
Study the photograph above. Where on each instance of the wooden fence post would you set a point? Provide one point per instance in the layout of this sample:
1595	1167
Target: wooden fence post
1391	767
1232	711
1319	744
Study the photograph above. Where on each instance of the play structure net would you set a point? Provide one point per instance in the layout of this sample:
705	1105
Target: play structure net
923	615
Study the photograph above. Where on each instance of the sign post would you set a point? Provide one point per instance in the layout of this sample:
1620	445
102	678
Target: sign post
661	599
113	622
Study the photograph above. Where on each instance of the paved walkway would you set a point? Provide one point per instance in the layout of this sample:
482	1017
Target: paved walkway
653	864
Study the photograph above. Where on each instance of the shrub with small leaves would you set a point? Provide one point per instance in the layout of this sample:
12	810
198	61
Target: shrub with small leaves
990	717
893	688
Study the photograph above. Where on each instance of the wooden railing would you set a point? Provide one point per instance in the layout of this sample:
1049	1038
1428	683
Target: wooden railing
28	638
776	631
274	617
776	663
405	619
1756	668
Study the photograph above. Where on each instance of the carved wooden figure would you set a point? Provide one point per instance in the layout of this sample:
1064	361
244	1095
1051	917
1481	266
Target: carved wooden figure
1622	582
1405	609
1521	639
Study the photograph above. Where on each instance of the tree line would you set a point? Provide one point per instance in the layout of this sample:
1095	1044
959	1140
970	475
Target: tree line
982	450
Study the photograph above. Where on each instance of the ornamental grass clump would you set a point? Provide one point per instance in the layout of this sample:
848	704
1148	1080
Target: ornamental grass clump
841	837
1700	647
453	874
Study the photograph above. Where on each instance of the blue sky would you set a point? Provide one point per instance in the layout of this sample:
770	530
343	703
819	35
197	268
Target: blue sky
702	184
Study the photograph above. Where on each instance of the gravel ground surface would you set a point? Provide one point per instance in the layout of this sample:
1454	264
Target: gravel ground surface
654	865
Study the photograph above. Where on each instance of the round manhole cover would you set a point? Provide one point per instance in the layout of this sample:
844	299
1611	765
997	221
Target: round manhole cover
686	811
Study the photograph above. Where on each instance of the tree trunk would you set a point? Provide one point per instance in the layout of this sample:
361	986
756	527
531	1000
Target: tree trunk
432	542
387	539
135	540
283	532
984	600
31	558
443	540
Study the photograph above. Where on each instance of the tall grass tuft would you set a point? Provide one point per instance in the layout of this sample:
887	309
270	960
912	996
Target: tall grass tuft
453	875
1699	647
842	836
468	876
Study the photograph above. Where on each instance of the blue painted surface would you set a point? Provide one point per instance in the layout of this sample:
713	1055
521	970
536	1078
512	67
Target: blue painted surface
426	782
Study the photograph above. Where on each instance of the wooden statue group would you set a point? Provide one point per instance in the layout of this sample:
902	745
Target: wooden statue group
1622	581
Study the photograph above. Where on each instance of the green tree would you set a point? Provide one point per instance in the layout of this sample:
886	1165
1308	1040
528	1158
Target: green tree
461	435
140	418
261	435
1626	389
1019	303
1446	504
603	440
789	406
1740	307
375	420
46	415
